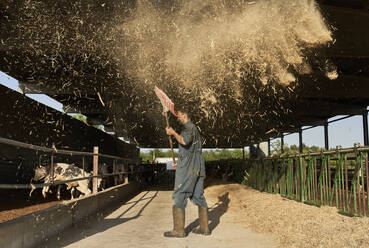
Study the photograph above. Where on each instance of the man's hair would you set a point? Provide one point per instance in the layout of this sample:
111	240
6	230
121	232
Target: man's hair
184	110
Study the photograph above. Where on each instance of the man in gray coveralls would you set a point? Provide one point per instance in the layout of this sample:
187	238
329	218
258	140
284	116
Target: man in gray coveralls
189	179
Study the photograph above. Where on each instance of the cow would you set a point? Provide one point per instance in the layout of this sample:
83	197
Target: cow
118	168
63	172
103	170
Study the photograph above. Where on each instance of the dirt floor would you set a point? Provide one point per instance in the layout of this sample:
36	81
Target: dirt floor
141	221
289	223
293	224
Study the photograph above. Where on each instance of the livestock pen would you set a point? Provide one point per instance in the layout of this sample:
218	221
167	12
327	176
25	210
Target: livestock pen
337	177
49	156
52	151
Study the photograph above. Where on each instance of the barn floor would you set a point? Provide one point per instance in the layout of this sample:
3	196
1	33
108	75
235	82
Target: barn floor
141	222
239	217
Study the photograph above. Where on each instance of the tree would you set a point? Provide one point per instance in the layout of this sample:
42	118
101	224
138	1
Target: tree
80	118
156	153
209	155
83	118
276	147
219	154
292	149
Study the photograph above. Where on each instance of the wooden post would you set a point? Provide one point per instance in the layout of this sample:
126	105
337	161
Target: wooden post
52	168
95	169
125	173
83	165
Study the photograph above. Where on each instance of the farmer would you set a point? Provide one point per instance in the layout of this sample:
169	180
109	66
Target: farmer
189	178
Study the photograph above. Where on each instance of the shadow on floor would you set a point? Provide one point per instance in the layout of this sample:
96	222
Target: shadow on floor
164	187
97	223
215	213
212	181
168	185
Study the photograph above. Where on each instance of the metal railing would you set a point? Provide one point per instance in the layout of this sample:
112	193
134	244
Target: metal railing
337	178
54	151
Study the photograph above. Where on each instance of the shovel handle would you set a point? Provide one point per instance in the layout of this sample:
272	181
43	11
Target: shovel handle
169	137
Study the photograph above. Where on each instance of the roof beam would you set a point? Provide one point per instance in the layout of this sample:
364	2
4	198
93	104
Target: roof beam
344	87
352	39
322	109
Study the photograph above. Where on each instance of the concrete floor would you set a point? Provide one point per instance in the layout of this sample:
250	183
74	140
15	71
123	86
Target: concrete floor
141	222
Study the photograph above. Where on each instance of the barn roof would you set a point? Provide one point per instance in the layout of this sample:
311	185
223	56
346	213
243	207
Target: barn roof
67	51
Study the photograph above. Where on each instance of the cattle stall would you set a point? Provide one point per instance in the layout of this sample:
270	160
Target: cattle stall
51	157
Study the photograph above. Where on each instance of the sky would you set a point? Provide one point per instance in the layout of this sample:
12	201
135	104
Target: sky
344	132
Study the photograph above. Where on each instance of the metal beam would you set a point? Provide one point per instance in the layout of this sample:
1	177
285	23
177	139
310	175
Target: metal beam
365	128
344	3
85	111
300	141
326	109
282	143
349	24
326	137
344	87
52	89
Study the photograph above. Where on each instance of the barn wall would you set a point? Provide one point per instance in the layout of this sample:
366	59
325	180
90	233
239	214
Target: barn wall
25	120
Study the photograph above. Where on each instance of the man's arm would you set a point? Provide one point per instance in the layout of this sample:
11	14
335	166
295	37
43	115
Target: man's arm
179	138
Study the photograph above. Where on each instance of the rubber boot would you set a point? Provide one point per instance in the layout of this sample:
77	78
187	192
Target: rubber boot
178	224
204	222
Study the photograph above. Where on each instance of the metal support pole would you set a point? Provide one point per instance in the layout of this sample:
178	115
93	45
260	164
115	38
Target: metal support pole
243	152
300	140
95	169
83	165
282	143
326	141
365	127
268	147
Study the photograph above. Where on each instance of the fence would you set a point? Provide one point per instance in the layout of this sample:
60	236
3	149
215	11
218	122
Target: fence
53	151
337	178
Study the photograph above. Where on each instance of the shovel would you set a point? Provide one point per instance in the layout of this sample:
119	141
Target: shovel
168	105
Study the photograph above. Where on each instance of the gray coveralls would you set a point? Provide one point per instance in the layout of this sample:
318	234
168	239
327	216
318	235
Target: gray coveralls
190	171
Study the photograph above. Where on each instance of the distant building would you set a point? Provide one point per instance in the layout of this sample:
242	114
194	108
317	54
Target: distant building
168	161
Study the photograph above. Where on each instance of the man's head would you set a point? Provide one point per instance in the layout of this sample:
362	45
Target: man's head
183	116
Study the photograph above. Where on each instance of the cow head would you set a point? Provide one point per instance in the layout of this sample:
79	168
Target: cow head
40	173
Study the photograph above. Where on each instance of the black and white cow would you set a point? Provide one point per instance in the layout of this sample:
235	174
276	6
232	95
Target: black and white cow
63	172
118	168
103	171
